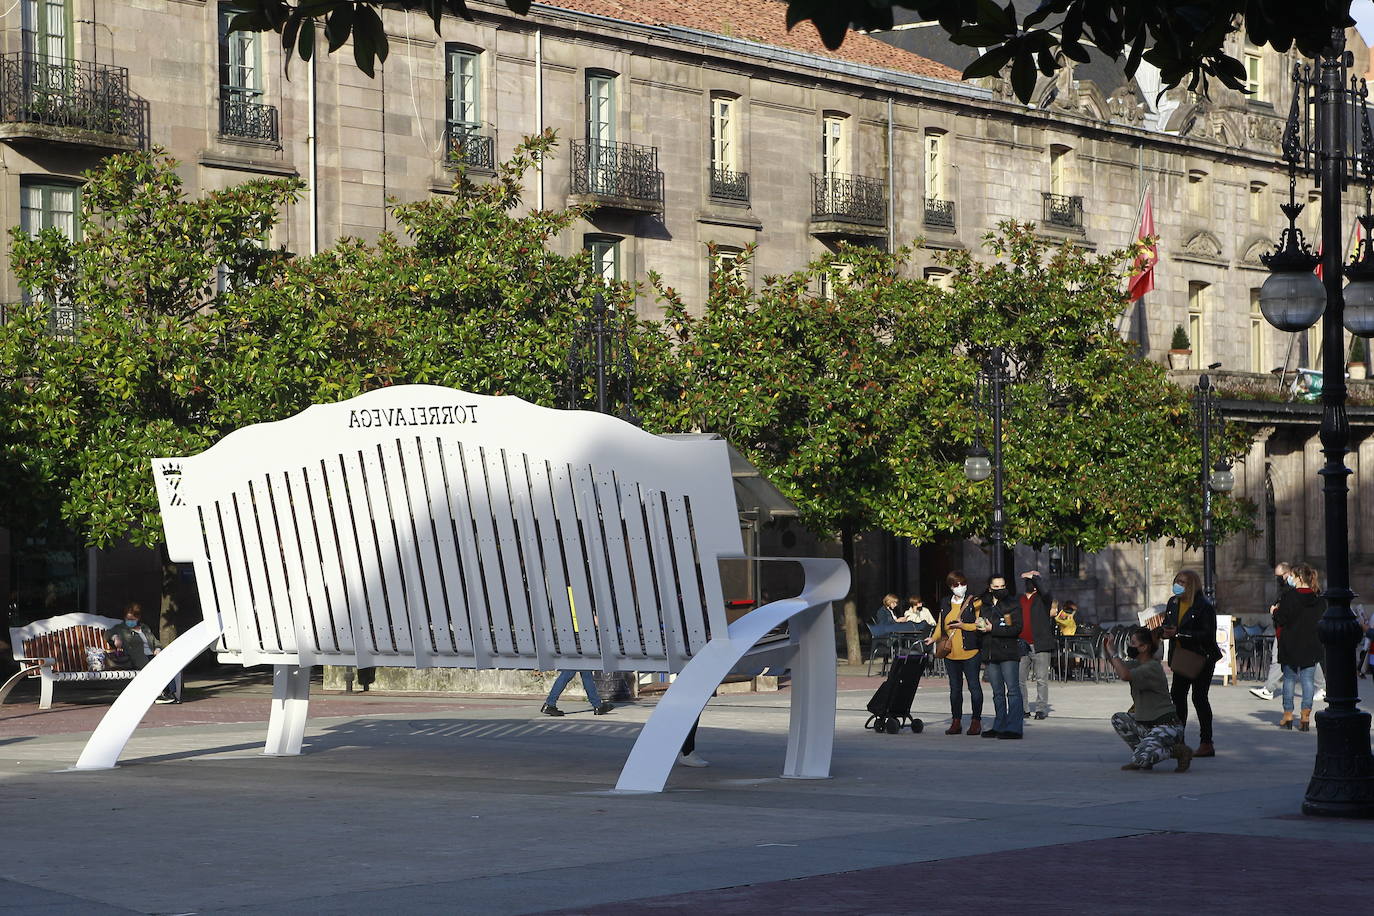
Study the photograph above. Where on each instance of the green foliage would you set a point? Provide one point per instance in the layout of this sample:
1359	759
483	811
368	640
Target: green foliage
88	410
860	405
164	363
1180	339
1185	39
1357	350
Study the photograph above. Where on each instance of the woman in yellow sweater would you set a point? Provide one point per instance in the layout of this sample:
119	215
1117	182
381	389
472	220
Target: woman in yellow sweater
961	619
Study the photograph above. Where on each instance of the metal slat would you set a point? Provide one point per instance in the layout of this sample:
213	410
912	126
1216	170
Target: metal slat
433	488
509	551
575	564
488	555
551	558
322	533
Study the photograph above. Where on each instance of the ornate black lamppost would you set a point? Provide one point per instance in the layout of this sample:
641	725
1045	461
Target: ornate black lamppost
1215	478
994	375
601	342
1328	131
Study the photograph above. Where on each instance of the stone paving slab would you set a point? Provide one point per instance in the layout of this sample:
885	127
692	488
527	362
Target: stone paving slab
477	805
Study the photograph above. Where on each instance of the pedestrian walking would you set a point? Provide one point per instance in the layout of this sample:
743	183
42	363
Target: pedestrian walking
550	707
1038	635
1273	682
1152	728
1299	647
1190	622
959	614
1004	621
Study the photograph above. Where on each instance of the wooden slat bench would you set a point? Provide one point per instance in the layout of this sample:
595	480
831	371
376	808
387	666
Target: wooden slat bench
54	650
428	527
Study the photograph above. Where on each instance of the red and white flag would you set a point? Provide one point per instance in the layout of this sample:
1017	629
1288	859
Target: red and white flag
1143	280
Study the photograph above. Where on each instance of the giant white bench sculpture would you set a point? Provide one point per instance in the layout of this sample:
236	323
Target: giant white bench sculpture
428	527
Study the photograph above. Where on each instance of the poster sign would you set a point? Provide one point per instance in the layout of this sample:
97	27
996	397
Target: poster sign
1226	640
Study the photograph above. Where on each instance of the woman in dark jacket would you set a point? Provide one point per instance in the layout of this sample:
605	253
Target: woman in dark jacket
1300	649
1190	622
1002	621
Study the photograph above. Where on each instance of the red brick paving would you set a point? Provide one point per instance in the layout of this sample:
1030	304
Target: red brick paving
82	709
1167	873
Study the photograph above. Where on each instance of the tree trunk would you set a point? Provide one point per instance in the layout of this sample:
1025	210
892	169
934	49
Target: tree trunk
853	652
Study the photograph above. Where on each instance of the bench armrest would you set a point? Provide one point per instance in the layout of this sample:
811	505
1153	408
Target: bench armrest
39	661
827	578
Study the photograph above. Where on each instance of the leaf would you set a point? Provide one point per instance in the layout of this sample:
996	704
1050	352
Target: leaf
990	64
338	26
1023	76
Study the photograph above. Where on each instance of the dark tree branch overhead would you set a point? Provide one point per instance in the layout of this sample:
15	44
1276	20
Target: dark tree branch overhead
1184	39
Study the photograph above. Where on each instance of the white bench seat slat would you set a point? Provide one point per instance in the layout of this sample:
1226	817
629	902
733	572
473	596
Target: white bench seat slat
412	606
683	561
550	551
531	554
573	548
625	602
648	607
507	555
310	565
447	557
463	532
310	646
502	535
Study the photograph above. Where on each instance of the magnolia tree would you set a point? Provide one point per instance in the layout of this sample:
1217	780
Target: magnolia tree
860	404
191	327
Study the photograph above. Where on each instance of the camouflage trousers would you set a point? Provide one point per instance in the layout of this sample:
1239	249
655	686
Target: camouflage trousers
1149	745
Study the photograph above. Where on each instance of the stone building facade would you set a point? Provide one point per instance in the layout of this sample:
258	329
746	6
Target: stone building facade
702	122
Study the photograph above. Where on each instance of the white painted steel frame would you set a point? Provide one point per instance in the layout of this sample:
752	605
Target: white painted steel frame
429	527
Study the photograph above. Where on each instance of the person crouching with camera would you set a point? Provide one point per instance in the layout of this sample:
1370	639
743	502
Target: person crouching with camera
1152	728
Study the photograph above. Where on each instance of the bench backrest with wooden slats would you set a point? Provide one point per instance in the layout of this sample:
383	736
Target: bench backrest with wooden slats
420	525
64	639
67	648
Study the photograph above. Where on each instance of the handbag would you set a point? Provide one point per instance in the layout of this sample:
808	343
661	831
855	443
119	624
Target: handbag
1188	663
943	646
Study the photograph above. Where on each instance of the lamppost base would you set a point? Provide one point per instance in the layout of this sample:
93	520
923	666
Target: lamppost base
1343	779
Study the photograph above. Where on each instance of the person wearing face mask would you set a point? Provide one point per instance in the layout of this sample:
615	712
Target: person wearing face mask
139	644
1040	640
1300	649
1283	574
1152	728
1004	621
1190	622
959	614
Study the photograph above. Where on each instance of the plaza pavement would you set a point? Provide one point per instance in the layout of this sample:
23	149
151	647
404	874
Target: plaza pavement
463	805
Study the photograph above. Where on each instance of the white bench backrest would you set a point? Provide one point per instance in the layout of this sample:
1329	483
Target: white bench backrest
428	526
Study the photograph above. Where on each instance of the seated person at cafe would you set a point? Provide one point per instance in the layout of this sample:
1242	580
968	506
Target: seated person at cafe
1066	618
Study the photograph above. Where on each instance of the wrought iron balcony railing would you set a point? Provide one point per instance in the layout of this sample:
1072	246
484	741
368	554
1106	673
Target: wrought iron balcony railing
63	317
728	185
618	172
245	119
939	213
1063	212
466	145
849	198
35	89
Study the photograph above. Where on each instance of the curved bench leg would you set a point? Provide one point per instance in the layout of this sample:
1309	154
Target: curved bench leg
811	732
13	682
107	741
46	681
290	704
656	749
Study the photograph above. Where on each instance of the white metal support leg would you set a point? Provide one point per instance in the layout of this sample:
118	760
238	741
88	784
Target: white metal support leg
107	741
290	704
810	740
811	734
45	687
